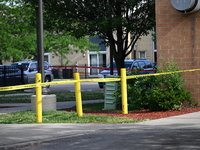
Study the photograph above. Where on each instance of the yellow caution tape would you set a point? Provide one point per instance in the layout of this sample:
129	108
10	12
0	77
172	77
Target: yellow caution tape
101	80
158	74
26	86
9	88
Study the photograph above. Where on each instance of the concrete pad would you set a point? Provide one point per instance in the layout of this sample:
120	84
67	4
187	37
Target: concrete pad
48	102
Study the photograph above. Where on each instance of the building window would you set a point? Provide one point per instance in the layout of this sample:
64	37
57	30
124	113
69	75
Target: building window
142	55
46	57
96	60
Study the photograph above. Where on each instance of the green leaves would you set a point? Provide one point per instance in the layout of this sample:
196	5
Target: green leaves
18	34
165	92
112	20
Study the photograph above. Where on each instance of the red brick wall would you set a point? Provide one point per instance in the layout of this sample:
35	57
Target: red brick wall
178	37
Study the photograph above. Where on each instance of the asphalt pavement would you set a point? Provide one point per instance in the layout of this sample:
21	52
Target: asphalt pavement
178	132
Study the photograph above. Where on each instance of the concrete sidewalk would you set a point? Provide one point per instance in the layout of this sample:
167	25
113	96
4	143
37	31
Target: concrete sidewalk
178	132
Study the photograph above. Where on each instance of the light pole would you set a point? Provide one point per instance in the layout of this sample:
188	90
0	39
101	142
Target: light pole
40	40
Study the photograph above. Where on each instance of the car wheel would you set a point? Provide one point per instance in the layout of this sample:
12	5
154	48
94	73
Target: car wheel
101	86
47	79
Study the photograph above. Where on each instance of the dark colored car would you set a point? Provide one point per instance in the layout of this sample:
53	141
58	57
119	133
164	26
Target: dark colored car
10	75
143	64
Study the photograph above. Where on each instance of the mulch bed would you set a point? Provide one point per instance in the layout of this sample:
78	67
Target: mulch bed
144	114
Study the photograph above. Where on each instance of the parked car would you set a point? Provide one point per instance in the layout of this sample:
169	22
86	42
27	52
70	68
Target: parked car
154	65
10	75
128	64
30	70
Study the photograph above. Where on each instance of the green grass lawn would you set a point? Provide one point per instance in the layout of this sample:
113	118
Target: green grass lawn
29	117
11	92
61	97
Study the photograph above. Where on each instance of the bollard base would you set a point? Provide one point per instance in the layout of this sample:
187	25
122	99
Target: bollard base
48	102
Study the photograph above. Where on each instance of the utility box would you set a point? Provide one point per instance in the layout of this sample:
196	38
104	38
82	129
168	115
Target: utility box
110	89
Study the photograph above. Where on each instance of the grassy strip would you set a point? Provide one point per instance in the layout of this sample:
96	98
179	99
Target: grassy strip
86	95
16	99
29	117
61	97
12	92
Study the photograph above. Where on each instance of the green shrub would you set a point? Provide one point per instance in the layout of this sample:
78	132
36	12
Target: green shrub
164	92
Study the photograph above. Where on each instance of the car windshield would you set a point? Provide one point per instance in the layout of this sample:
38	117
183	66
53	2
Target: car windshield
22	65
114	65
127	65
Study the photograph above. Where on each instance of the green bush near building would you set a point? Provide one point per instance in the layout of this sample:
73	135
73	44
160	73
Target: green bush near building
164	92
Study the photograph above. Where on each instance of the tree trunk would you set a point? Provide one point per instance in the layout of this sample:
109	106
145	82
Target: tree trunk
119	59
111	59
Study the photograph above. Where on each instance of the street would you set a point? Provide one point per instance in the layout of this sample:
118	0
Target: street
85	86
177	132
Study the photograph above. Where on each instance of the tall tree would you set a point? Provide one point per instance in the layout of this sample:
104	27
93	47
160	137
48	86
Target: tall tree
18	35
119	22
7	32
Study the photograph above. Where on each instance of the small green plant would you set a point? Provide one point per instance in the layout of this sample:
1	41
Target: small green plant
164	92
169	92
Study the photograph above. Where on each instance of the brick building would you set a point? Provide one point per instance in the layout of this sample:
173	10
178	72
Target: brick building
178	37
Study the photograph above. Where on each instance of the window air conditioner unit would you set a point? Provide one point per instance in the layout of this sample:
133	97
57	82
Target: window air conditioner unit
186	6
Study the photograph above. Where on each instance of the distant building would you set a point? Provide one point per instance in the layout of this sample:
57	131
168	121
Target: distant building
144	49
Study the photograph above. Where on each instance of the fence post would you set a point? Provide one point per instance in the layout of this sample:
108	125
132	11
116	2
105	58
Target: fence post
4	76
124	91
85	72
77	87
38	103
22	75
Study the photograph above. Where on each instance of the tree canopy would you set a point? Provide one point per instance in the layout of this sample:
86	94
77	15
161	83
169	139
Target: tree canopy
18	35
119	22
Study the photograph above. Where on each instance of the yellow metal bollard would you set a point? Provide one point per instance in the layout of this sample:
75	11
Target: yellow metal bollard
38	91
78	95
124	91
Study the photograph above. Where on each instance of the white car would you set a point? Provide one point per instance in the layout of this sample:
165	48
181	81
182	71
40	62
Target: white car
30	70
